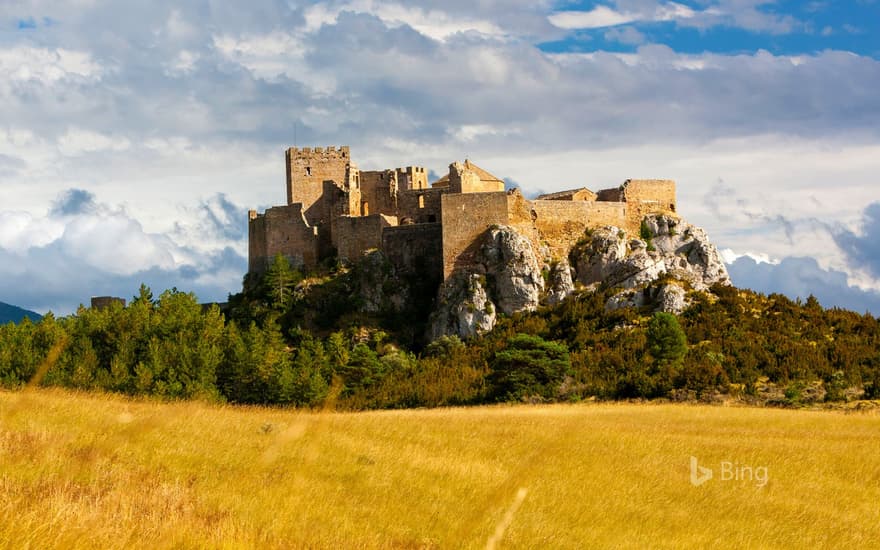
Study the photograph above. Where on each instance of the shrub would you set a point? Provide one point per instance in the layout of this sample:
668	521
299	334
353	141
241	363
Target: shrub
528	366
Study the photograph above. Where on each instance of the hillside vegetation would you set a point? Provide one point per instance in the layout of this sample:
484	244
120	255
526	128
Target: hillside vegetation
294	341
80	471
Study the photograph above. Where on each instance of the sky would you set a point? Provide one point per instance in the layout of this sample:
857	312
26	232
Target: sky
135	136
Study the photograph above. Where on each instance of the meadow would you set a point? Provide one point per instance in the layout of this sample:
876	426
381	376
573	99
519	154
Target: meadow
98	471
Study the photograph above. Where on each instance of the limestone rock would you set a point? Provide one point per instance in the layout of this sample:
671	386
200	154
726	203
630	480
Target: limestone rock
601	253
690	255
676	247
561	284
510	263
464	308
505	270
669	298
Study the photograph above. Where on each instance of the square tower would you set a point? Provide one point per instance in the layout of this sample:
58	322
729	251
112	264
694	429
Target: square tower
312	174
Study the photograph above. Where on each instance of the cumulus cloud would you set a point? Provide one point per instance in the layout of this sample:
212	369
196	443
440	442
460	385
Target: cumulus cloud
862	249
751	15
83	247
153	107
626	12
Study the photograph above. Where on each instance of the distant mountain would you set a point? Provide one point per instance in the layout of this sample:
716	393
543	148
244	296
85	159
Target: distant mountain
15	314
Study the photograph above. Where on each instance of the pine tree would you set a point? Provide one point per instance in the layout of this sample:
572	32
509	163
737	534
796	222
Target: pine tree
279	282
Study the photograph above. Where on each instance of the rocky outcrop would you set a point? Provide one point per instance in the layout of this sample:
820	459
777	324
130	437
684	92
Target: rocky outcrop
596	257
505	277
507	259
377	286
464	308
671	246
669	297
560	282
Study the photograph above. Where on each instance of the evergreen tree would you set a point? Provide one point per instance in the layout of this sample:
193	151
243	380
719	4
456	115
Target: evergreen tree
529	365
279	282
667	342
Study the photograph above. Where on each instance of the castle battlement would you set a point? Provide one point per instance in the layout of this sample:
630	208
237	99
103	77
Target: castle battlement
334	209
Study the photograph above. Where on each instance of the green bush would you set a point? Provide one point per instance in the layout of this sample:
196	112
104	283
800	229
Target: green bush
529	366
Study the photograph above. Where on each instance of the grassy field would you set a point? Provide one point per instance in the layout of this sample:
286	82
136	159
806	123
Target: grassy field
96	471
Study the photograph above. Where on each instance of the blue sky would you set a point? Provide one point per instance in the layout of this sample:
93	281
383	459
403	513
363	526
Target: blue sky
782	28
134	137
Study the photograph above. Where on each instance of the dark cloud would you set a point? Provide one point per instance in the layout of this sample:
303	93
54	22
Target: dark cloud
801	277
379	80
863	249
73	202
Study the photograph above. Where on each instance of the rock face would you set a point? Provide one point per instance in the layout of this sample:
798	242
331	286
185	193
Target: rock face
675	247
509	262
560	282
671	247
689	255
505	277
377	286
463	309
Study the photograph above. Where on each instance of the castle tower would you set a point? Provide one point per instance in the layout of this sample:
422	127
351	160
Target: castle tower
312	175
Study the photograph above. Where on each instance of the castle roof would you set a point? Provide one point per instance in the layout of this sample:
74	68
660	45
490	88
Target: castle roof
485	176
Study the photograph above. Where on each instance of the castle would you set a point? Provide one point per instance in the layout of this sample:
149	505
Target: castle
335	209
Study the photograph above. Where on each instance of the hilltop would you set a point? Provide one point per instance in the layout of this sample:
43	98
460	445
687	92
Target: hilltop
14	314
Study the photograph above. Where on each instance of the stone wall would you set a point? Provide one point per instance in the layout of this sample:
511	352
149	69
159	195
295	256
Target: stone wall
412	178
105	302
415	250
562	223
378	191
281	230
307	170
465	218
421	206
354	235
645	197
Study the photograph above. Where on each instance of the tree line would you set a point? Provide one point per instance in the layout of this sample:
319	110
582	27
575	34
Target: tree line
266	350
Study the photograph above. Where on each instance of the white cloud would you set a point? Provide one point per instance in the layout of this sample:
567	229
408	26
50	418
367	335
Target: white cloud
604	16
625	35
48	66
437	24
745	14
729	257
82	248
78	141
598	17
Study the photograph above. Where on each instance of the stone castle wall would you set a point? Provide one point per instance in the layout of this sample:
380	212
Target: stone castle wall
378	193
415	250
354	235
562	223
421	206
281	230
465	218
645	197
412	178
307	171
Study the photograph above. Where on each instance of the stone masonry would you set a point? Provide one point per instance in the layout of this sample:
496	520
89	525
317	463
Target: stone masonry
335	210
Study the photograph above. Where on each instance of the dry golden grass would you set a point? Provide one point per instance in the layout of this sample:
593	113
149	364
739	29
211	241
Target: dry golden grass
82	470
